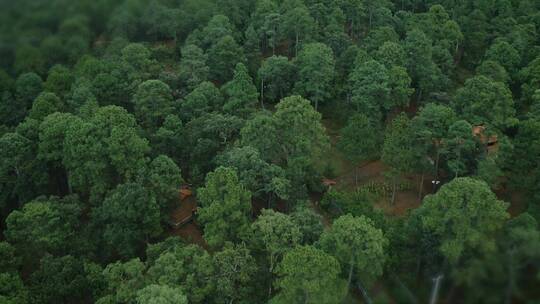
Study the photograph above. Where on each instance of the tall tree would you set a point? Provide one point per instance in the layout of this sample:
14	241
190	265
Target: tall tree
223	57
128	218
240	92
360	140
427	76
187	267
122	281
163	179
463	216
235	272
484	101
193	67
46	103
459	148
46	225
430	127
369	88
103	150
153	102
60	279
276	76
225	207
308	275
316	69
275	233
397	152
296	23
205	98
165	294
358	246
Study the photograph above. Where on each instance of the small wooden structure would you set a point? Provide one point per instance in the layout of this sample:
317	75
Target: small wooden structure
185	192
328	182
186	209
491	141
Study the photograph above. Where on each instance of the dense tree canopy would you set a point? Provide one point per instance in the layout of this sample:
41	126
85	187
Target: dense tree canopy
269	151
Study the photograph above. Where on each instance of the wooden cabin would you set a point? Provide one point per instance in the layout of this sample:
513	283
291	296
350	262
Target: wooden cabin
491	141
328	182
186	208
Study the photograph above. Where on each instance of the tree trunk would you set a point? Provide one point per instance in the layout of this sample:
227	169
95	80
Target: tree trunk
421	186
419	95
262	93
408	292
509	285
394	186
270	270
437	157
349	279
356	175
316	105
365	296
296	46
435	291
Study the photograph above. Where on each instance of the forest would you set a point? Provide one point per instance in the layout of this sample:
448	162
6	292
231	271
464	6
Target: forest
269	151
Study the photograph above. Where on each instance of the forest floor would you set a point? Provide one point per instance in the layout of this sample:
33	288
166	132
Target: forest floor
336	167
349	178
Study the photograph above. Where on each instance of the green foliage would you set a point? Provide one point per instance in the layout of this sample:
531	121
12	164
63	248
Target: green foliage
12	289
293	138
59	80
525	169
123	281
357	203
308	275
46	103
153	102
187	267
108	107
505	54
253	172
241	95
45	225
225	207
193	68
235	271
163	179
168	139
275	233
360	139
128	217
484	101
357	245
223	57
391	54
103	150
205	98
463	216
460	147
162	294
309	222
397	151
9	261
52	133
207	136
316	72
58	279
27	88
